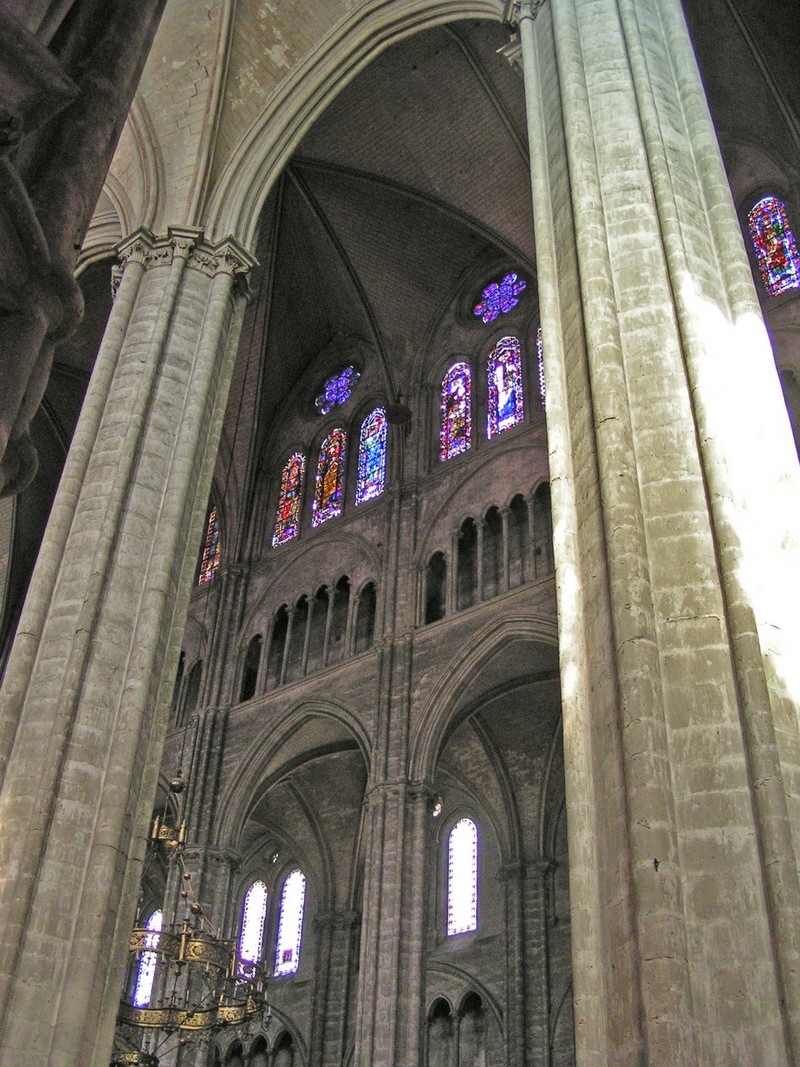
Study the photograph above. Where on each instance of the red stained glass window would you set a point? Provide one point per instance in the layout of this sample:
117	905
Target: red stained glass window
287	518
329	485
775	245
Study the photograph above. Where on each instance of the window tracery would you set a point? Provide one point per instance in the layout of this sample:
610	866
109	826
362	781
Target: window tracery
336	389
499	297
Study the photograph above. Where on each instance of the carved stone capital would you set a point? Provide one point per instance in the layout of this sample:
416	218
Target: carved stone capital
518	10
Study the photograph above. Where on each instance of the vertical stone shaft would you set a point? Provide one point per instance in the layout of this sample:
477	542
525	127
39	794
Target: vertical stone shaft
85	685
679	727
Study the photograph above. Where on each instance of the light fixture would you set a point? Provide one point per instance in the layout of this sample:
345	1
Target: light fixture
199	985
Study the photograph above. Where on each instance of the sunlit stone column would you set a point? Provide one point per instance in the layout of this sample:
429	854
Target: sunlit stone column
676	513
85	700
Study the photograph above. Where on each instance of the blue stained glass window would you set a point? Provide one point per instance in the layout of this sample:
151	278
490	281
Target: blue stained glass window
337	389
329	487
775	245
455	427
287	517
146	968
212	548
290	924
251	934
500	297
462	878
504	386
372	456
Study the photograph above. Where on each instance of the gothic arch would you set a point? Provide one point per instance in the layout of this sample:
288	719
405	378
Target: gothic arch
235	204
254	773
450	694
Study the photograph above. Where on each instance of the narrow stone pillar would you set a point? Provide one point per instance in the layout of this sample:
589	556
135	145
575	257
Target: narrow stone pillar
287	643
480	525
312	604
390	976
505	514
452	574
676	507
86	697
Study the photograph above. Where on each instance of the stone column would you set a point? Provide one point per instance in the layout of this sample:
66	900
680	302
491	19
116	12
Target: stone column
86	696
676	508
480	524
390	977
505	515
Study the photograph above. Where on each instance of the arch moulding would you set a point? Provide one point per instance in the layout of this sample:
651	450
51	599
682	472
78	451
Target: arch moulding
235	203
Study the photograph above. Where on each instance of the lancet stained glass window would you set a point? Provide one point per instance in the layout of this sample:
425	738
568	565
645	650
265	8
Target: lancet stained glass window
462	878
504	387
500	297
540	369
329	486
337	389
775	245
146	968
455	427
212	548
290	924
287	517
254	913
371	456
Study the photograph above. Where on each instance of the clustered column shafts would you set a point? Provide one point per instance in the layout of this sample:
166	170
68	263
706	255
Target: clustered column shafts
165	421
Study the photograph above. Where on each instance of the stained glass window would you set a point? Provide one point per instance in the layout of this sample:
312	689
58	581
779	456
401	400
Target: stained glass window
290	924
288	515
329	486
146	968
462	878
504	386
500	297
455	428
775	245
212	549
251	935
540	368
371	456
337	389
